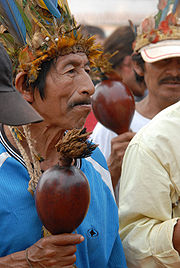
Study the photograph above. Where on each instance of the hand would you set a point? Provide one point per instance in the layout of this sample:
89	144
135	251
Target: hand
176	237
54	251
118	147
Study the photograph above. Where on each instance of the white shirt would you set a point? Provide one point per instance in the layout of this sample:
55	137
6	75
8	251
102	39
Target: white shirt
103	136
149	197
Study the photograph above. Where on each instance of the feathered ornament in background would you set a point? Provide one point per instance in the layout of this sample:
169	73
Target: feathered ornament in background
163	26
38	30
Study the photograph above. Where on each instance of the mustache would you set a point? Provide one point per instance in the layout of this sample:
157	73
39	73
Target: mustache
171	79
80	102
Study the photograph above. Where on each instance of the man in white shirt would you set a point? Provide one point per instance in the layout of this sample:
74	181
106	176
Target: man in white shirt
149	208
112	145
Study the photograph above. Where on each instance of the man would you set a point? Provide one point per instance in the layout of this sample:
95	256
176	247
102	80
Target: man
54	77
16	111
120	42
149	206
113	146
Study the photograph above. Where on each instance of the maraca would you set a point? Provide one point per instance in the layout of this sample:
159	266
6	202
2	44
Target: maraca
63	194
113	104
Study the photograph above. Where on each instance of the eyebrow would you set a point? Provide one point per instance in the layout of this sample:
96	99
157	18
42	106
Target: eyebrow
74	62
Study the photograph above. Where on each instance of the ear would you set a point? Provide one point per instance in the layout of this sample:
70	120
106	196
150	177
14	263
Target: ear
127	61
20	84
137	68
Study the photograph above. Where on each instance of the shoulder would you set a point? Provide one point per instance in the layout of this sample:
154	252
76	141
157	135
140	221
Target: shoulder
98	157
163	124
160	136
138	122
96	169
100	132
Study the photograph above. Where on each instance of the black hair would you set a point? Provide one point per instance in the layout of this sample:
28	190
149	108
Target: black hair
93	30
119	41
139	60
39	83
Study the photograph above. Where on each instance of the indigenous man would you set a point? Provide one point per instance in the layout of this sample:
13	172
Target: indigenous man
53	75
149	205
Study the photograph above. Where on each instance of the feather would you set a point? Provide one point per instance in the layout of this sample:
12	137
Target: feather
13	21
176	5
165	11
157	18
177	8
133	27
52	7
64	5
26	20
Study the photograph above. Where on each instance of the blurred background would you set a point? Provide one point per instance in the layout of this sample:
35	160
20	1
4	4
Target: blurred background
109	14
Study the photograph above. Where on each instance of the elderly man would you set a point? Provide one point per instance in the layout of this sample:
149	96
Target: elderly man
149	206
53	75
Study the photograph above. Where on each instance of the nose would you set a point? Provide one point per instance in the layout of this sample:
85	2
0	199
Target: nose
86	86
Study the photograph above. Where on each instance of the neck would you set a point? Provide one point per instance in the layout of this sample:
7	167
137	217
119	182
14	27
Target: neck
151	106
45	138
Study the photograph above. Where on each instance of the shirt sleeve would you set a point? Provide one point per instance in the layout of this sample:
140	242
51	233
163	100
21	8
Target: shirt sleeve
145	210
103	136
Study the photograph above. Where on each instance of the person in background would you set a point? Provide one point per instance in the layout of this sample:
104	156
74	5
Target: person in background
112	145
14	110
121	41
52	73
94	30
98	32
149	198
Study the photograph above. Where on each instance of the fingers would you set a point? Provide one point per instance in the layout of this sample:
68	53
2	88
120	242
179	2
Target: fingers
66	239
55	250
59	261
127	136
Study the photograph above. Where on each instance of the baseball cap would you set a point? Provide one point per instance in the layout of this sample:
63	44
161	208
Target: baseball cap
158	36
14	110
161	50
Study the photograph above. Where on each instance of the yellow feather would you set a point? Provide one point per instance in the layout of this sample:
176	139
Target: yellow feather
43	29
63	4
41	4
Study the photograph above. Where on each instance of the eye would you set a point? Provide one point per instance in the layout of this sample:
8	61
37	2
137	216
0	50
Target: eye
87	69
71	71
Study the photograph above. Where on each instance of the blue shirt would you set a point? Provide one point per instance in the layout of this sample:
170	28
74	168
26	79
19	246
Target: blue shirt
21	227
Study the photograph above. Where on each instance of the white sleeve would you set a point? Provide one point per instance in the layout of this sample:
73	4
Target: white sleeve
145	211
103	136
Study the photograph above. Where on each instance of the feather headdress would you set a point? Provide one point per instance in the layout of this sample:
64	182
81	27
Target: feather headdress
34	31
165	25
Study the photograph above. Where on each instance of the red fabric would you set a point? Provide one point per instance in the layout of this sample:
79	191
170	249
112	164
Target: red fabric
90	122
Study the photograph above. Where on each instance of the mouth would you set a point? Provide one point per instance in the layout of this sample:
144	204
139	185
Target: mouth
85	104
172	81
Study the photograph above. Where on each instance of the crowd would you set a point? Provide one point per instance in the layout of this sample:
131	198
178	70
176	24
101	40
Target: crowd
133	219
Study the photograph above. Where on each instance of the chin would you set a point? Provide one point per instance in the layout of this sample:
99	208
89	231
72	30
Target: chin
79	124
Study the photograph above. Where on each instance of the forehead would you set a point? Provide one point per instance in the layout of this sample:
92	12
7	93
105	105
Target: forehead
74	59
164	62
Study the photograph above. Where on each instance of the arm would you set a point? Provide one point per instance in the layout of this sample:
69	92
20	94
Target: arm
118	147
176	236
145	209
54	251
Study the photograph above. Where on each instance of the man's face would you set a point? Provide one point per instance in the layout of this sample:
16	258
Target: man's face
163	80
128	77
68	90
